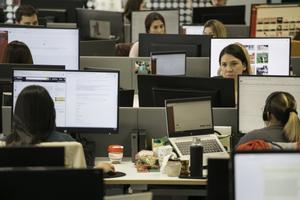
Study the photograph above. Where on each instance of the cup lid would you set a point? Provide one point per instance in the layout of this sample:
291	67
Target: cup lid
115	148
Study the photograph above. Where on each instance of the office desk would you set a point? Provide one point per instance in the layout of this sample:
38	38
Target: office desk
156	182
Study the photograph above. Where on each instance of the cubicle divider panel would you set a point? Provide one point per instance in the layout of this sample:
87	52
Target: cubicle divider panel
197	66
127	123
295	62
111	63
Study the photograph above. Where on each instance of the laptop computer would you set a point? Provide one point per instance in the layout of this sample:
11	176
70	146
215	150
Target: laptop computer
192	118
262	175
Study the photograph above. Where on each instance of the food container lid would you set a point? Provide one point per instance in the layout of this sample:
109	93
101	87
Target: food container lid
114	148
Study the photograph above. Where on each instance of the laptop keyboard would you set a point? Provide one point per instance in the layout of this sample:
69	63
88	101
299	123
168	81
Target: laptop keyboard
209	146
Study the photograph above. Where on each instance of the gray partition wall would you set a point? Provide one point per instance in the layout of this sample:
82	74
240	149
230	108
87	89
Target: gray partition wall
295	63
237	30
196	66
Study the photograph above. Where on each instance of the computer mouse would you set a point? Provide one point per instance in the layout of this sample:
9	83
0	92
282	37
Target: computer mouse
111	173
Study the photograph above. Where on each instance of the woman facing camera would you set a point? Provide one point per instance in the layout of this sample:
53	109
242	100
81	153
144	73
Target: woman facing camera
154	24
281	120
17	52
215	28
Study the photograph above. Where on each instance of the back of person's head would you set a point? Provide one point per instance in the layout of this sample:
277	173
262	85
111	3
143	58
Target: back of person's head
28	12
150	18
217	28
34	117
132	5
17	52
283	106
240	52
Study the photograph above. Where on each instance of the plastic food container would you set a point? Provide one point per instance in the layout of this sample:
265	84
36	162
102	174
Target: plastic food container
115	153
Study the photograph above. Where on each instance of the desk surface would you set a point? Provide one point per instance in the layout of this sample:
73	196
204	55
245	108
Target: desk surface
150	178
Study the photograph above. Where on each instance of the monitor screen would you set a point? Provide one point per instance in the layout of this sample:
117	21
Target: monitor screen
69	5
84	101
274	20
253	92
268	56
155	89
168	63
270	175
193	29
225	14
99	24
138	22
183	120
53	15
193	45
6	69
48	46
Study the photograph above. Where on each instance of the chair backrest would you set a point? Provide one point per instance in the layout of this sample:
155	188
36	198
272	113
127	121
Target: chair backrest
74	155
123	49
137	196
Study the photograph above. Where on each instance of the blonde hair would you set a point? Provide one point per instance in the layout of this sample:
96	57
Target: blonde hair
217	27
283	106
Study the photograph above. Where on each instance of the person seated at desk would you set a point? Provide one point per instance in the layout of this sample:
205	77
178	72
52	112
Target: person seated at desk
281	119
154	24
234	60
132	5
34	121
27	15
17	52
215	28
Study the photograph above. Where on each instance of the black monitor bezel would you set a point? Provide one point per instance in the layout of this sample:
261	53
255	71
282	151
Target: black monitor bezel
145	41
176	82
82	129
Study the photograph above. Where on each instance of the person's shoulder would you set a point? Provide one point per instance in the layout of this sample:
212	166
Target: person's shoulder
59	137
134	51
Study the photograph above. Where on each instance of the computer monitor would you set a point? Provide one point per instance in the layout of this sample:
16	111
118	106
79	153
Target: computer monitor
155	89
69	5
225	14
53	15
6	69
138	22
274	20
168	63
193	29
253	92
99	24
51	183
48	46
270	175
84	101
193	45
268	56
32	156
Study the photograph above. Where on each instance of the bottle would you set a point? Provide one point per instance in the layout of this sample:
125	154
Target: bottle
196	158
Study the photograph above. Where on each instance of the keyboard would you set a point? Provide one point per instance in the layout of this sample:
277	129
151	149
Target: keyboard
209	146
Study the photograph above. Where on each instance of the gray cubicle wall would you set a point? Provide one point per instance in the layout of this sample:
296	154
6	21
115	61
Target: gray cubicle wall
196	66
237	30
295	63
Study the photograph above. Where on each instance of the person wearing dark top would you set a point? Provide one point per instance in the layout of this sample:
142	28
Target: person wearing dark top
281	119
17	52
34	119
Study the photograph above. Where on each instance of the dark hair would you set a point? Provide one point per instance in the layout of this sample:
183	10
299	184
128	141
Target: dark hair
132	5
34	117
238	51
25	10
151	17
17	52
283	106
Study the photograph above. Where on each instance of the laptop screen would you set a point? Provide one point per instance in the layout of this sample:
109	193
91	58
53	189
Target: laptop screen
266	175
186	117
169	63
